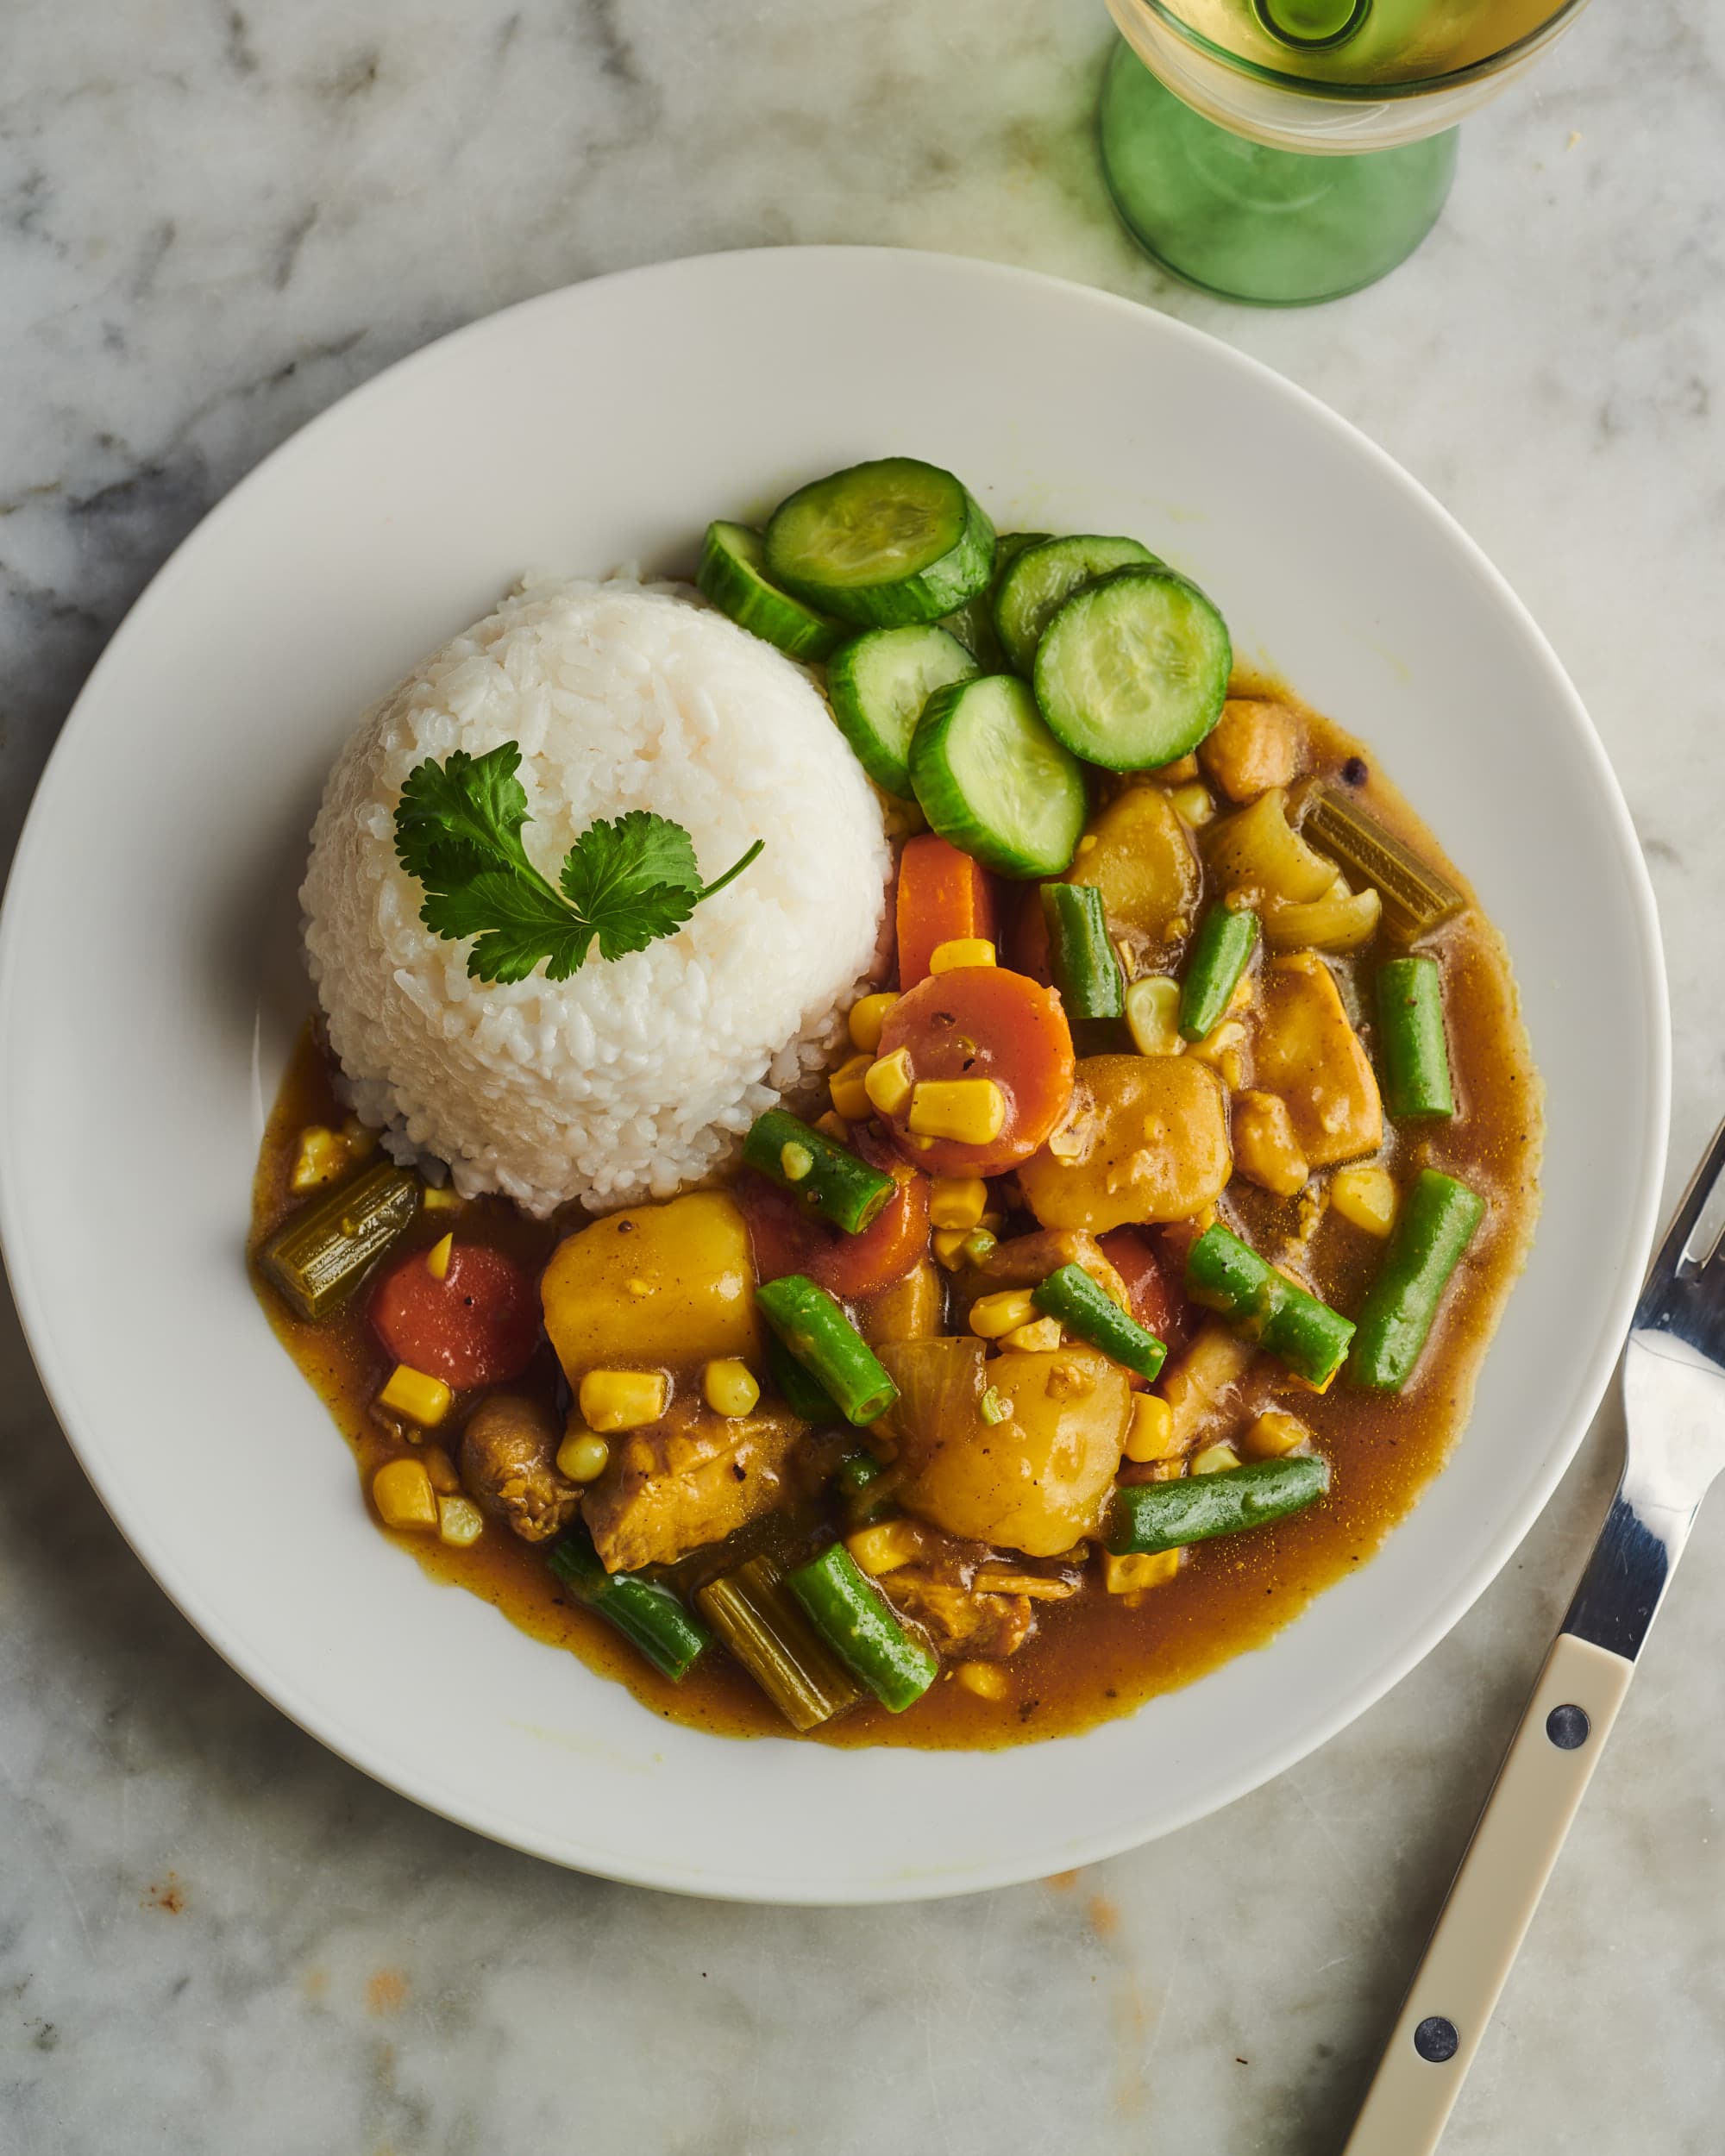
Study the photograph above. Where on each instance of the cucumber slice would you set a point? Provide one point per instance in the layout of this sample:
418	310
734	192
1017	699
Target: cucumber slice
733	574
973	623
877	685
884	543
1042	577
1133	671
994	782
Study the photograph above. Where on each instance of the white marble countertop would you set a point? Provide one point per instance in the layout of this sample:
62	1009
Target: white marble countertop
216	1937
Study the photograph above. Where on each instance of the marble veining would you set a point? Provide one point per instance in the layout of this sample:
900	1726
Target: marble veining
216	1937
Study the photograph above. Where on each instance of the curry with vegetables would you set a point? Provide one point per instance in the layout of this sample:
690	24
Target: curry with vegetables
1123	1283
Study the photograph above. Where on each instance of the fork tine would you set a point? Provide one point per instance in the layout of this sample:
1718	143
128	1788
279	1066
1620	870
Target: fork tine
1664	1271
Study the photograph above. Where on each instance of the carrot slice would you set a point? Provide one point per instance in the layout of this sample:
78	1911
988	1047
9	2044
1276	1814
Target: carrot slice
984	1022
943	893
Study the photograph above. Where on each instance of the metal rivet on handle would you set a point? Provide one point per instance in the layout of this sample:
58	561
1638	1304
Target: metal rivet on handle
1436	2040
1568	1727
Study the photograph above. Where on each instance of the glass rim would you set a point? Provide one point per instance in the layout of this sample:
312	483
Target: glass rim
1361	93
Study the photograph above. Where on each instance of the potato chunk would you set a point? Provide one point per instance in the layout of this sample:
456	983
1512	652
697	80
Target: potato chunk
1036	1479
1142	862
1255	745
1305	1051
1147	1140
669	1286
1265	1147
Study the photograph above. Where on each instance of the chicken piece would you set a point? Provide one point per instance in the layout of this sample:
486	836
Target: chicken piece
508	1467
1306	1050
958	1621
1025	1261
1254	745
1146	1140
687	1480
1265	1147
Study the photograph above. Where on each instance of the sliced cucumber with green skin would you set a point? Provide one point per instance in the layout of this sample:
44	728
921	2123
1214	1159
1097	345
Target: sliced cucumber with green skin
1042	576
882	544
973	623
878	684
1133	670
993	781
733	575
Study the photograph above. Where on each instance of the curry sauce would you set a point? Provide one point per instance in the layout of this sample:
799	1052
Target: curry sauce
1096	1655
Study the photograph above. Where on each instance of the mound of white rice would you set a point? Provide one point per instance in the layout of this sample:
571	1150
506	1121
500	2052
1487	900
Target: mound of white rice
636	1077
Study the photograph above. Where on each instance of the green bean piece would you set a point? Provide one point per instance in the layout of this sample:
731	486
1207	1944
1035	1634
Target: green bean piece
650	1616
805	1399
1220	953
1072	1296
1152	1516
1436	1223
1227	1275
856	1470
854	1620
829	1347
829	1180
1082	957
1416	1048
754	1614
319	1255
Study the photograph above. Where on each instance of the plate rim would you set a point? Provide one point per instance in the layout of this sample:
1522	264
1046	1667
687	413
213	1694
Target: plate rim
1588	1389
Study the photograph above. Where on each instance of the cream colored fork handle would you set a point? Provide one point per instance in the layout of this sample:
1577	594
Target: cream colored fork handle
1492	1900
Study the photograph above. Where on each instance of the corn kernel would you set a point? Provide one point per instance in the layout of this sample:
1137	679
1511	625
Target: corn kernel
728	1387
1229	1034
412	1395
437	1257
460	1522
1042	1336
402	1491
949	1247
1216	1459
1153	1015
442	1470
884	1547
962	950
1194	805
1127	1575
987	1680
623	1400
958	1201
845	1085
1274	1433
441	1197
1150	1434
359	1139
991	1317
888	1083
794	1162
867	1019
582	1457
1366	1196
833	1125
971	1111
322	1156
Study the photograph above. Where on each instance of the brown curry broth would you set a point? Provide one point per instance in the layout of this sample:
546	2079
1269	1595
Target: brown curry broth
1100	1655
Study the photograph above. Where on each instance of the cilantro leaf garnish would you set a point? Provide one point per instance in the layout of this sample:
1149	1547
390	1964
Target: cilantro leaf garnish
627	880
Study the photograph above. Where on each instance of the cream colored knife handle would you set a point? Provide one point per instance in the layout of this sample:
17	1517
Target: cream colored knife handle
1492	1900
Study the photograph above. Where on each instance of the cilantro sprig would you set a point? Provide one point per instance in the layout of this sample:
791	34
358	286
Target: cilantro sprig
627	880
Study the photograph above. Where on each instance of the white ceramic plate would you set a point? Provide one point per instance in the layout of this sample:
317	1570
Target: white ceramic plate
150	985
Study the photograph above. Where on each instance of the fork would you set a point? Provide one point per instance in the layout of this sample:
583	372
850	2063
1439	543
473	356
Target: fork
1674	1410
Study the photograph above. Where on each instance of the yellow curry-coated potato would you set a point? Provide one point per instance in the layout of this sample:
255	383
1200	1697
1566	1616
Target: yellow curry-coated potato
1305	1051
661	1285
1254	745
1147	1140
1143	864
1037	1479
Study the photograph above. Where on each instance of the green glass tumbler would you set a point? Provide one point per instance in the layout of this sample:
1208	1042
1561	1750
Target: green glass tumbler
1272	227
